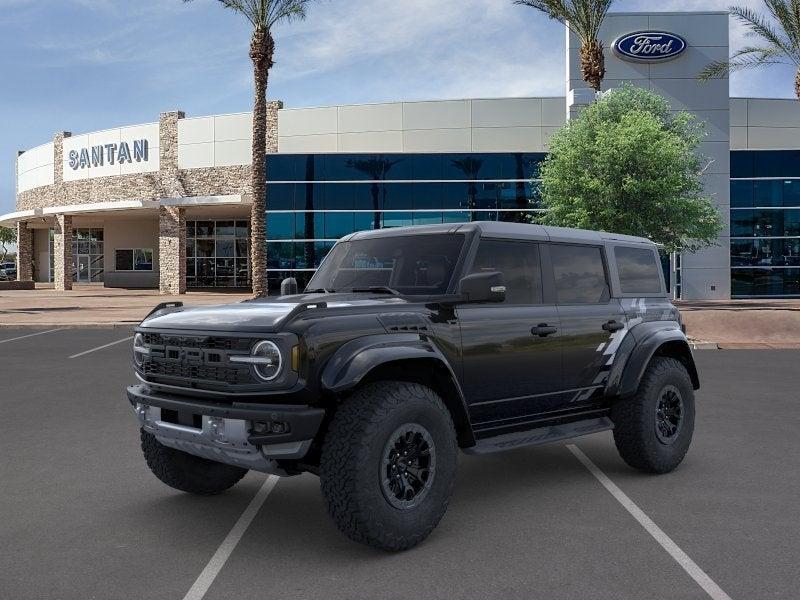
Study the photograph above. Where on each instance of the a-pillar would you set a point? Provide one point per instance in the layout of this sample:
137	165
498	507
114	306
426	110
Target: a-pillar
172	250
62	253
24	252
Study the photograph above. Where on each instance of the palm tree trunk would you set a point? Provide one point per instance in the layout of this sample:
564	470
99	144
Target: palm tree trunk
797	84
262	48
593	67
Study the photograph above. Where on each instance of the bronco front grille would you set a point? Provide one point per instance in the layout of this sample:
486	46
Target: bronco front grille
195	361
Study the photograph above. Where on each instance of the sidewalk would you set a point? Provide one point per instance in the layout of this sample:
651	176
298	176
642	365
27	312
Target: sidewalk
93	306
743	324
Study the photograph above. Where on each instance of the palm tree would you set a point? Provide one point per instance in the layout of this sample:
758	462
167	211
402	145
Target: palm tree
779	38
376	168
263	15
584	18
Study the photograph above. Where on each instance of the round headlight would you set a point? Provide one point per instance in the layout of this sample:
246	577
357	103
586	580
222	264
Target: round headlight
268	360
139	349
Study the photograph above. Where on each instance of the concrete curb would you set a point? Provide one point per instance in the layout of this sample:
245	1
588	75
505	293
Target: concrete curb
704	345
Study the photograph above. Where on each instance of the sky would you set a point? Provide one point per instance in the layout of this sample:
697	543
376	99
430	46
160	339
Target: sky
85	65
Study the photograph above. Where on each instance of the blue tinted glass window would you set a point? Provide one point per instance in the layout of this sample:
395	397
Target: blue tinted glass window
791	193
309	225
427	195
528	164
463	167
494	164
483	195
281	167
455	217
791	222
455	195
280	226
396	196
427	218
777	163
511	195
742	164
280	255
514	217
397	219
741	194
768	193
366	221
338	225
765	282
427	166
280	196
342	196
309	196
742	223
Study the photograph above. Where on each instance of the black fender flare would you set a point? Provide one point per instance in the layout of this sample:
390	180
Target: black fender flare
354	360
635	354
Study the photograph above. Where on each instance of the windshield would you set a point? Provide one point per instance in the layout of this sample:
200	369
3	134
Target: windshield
406	264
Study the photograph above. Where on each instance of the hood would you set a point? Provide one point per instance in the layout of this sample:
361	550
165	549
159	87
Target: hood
257	315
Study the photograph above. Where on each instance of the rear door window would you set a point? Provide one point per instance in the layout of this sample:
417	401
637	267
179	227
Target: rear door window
638	270
580	274
519	264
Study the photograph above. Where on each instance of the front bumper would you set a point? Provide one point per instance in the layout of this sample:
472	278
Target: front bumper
227	432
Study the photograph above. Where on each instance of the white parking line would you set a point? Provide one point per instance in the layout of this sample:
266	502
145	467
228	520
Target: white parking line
101	347
214	566
688	565
22	337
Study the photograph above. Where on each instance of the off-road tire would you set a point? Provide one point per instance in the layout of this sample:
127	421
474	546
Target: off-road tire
352	459
186	472
634	419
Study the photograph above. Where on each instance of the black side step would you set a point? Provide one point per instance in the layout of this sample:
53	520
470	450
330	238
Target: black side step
543	435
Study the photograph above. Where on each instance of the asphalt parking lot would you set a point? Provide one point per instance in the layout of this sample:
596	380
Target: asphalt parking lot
82	517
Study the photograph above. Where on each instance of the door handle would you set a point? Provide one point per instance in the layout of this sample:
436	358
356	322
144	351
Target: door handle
543	330
613	326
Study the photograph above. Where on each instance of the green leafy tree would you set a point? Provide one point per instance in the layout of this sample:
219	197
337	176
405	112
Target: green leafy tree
628	165
263	15
584	18
7	236
778	42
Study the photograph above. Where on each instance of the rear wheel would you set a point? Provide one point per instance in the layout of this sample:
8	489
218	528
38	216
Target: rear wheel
653	430
388	464
186	472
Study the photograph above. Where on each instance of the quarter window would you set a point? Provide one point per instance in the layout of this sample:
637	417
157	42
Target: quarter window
580	276
638	270
519	264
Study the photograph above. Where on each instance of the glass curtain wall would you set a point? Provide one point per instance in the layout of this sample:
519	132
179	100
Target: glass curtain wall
315	199
218	254
765	223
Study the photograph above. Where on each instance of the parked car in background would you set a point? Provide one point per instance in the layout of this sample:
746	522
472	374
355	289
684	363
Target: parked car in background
8	271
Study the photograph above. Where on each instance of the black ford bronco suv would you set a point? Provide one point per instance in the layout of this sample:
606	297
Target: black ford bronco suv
408	345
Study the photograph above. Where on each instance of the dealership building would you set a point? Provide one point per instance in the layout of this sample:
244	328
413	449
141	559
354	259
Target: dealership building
166	204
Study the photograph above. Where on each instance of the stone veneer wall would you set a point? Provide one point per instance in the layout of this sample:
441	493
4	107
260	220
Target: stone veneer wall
62	251
24	252
172	249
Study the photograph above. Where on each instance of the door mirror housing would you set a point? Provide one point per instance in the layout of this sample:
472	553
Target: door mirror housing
483	287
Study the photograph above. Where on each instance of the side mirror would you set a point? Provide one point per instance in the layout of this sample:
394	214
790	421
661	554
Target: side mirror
289	286
483	287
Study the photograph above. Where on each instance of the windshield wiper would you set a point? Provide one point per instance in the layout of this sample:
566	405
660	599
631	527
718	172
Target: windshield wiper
378	289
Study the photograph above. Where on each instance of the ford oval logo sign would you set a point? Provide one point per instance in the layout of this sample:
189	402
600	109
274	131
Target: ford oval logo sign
649	46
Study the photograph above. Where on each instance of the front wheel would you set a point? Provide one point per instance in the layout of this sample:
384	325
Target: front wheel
653	430
388	464
186	472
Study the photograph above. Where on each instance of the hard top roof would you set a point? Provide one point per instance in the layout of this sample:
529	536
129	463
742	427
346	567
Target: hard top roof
507	230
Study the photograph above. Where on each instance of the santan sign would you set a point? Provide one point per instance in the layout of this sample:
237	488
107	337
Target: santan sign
649	46
97	156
